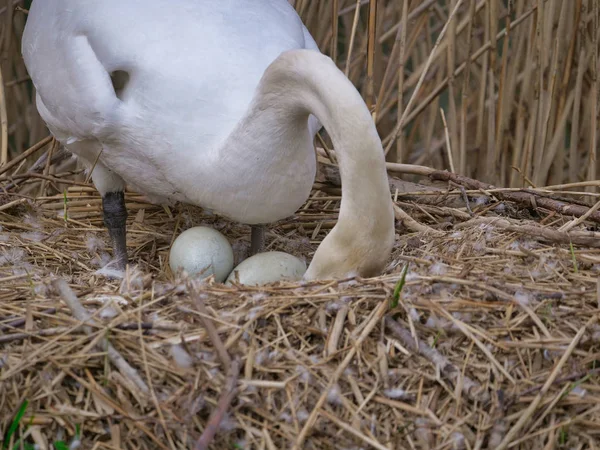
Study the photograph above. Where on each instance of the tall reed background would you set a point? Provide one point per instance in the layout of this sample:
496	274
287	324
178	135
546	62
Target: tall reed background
505	91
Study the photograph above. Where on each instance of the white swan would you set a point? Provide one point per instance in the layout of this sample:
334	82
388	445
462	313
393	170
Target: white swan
209	103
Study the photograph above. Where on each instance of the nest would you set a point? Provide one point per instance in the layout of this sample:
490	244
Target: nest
480	333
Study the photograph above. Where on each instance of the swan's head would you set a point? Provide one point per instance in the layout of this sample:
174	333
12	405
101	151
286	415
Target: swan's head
345	252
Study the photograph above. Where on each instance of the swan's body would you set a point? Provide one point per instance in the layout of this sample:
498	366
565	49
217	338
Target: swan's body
192	77
214	109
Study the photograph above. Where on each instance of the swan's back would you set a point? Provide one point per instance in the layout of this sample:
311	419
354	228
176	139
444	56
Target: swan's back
191	64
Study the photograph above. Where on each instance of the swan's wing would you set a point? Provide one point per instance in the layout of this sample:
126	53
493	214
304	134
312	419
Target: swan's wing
75	95
191	63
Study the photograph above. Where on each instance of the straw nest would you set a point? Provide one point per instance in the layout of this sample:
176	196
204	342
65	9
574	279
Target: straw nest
490	343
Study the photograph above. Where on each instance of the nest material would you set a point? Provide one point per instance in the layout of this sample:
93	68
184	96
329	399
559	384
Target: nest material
491	341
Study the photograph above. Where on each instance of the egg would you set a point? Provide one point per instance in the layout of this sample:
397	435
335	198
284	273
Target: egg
268	267
200	248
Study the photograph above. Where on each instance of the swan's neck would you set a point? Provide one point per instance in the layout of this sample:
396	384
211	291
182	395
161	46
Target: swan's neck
304	82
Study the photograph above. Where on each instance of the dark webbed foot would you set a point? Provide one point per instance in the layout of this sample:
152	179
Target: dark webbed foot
257	239
115	219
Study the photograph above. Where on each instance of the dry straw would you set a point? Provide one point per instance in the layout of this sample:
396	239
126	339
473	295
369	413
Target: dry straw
491	342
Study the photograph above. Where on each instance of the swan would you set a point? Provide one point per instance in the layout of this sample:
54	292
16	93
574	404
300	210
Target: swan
210	103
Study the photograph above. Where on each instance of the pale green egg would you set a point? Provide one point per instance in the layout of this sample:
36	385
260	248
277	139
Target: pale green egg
268	267
202	250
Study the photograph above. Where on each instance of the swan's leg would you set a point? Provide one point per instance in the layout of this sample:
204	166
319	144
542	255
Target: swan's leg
257	239
115	219
111	186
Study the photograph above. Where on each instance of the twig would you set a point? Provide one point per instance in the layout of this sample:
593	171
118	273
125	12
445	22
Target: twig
348	428
231	366
58	330
55	179
148	326
336	331
448	144
227	395
583	238
531	390
25	154
40	166
16	322
464	196
374	320
566	227
82	315
412	224
3	123
22	336
211	330
471	388
538	399
528	198
55	157
12	204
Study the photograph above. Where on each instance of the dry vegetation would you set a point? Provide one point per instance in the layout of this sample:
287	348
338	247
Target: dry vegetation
492	342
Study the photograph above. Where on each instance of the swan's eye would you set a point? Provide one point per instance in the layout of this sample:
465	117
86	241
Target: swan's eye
119	79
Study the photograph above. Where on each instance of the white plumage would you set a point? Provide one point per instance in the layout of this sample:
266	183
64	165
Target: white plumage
209	103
